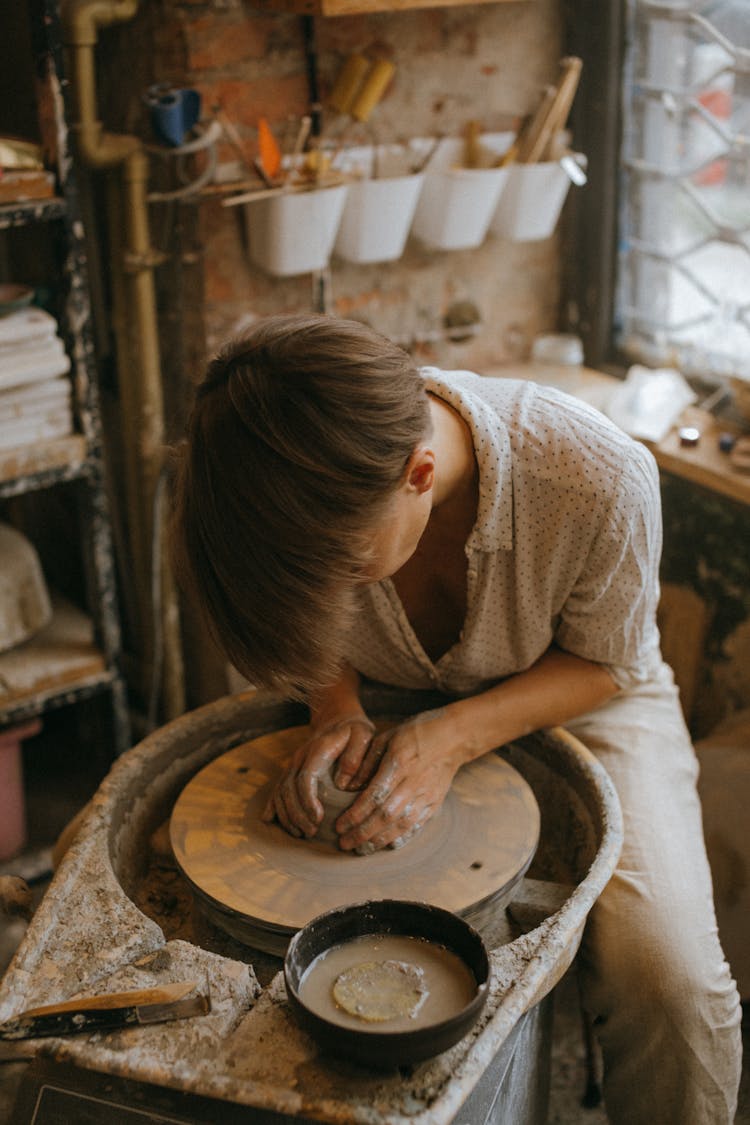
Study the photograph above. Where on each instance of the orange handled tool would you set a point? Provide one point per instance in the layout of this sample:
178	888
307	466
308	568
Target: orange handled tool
269	153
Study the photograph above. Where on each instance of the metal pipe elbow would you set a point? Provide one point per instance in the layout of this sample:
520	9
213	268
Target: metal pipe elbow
81	19
98	149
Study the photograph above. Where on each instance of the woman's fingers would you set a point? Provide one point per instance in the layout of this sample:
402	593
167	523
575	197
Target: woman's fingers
370	761
297	813
406	783
391	820
294	801
275	810
291	809
349	765
322	753
381	800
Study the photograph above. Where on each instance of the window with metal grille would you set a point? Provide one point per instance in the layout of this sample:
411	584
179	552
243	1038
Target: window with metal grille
684	272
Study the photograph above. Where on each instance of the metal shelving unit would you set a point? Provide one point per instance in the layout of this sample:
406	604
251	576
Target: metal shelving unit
78	654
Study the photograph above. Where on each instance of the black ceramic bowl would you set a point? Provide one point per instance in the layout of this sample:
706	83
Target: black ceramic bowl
381	1048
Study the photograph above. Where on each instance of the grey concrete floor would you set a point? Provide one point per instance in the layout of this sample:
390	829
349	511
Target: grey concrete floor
57	788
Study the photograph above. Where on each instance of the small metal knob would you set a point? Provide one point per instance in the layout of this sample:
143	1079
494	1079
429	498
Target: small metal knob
689	435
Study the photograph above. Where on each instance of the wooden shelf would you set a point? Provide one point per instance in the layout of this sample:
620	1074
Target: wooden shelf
59	663
38	464
25	211
358	7
75	657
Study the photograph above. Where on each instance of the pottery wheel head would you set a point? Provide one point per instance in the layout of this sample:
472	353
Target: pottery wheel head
254	876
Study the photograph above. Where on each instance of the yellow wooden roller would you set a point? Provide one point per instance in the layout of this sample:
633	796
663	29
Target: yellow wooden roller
374	86
348	83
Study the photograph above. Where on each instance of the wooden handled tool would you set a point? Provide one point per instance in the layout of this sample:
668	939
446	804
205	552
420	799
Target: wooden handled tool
108	1011
471	144
541	127
300	141
566	92
326	179
269	153
534	135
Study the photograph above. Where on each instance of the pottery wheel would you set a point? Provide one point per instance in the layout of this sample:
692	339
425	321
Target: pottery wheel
262	885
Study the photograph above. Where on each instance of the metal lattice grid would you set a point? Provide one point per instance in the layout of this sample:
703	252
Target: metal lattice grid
684	278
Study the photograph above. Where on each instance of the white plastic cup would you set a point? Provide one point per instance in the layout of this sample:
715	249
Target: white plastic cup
294	232
531	202
456	204
377	218
381	202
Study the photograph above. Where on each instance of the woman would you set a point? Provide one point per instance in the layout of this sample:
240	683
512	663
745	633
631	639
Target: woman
340	513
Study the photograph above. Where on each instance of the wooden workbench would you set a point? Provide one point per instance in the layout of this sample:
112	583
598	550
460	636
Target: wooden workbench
704	464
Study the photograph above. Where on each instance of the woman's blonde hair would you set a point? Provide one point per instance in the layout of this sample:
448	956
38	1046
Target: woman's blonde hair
298	438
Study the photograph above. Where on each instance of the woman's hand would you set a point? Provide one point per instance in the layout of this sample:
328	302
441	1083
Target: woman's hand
294	801
412	767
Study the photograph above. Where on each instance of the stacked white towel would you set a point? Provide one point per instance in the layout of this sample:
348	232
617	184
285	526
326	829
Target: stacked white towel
35	393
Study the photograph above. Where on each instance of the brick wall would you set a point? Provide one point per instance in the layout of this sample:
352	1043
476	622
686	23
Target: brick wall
486	62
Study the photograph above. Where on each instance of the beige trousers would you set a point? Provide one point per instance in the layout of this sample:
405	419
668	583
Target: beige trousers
654	977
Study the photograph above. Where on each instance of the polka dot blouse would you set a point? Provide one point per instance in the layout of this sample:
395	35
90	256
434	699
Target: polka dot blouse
565	547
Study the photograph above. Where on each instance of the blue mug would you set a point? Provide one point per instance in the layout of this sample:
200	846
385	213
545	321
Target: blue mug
173	113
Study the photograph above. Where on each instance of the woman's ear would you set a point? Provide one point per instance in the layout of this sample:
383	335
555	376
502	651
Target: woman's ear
420	469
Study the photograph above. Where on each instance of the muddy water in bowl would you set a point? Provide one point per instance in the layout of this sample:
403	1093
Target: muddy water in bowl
389	982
